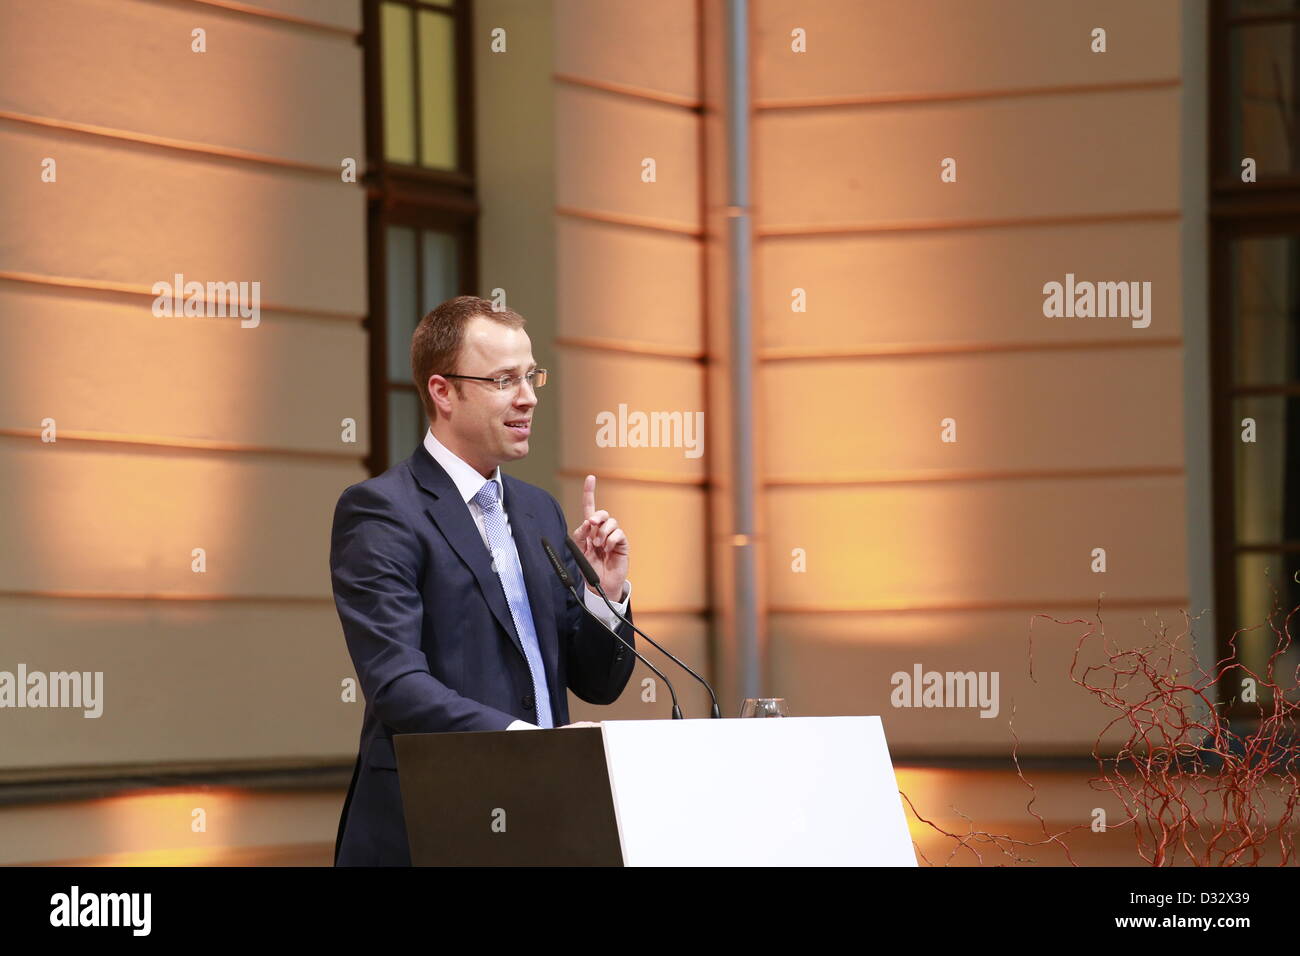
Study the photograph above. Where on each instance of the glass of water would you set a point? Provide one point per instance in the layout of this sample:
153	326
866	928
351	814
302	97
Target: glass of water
764	707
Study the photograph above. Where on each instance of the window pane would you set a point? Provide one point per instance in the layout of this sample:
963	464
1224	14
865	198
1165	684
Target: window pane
399	83
1267	469
1258	576
437	91
403	314
406	424
1261	97
1266	303
441	269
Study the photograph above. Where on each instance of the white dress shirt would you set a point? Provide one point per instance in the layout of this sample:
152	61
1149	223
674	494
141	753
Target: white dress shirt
468	482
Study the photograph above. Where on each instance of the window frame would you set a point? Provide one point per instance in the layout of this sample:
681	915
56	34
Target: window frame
400	194
1269	207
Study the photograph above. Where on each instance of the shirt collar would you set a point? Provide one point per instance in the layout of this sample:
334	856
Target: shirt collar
468	481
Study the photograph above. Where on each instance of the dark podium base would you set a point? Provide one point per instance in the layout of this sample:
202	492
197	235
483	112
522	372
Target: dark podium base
509	798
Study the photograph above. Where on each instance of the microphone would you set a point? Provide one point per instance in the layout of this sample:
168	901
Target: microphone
593	579
567	580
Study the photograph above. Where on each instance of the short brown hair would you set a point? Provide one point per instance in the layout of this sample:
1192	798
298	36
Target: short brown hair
435	345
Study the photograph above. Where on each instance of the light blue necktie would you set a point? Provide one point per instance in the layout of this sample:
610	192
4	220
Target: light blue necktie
505	560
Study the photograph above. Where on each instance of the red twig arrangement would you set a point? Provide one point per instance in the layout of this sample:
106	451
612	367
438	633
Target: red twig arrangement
1204	763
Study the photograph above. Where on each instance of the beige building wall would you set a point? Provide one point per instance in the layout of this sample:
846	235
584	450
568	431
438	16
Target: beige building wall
514	118
177	433
630	308
925	303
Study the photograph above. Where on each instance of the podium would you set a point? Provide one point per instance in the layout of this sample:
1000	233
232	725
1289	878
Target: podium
788	791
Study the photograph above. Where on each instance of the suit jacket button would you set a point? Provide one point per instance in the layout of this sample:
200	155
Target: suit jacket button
528	700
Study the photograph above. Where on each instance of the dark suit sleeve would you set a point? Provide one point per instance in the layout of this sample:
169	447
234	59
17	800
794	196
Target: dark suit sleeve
599	665
374	565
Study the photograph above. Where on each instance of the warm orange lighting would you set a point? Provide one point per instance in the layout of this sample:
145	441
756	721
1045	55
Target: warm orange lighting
170	821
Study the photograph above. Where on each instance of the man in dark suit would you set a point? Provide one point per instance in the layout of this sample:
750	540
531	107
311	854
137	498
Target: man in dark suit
454	619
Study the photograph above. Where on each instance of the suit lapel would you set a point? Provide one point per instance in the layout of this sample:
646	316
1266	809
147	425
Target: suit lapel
451	515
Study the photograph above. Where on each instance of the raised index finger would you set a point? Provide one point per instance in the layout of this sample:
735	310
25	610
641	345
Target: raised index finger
589	496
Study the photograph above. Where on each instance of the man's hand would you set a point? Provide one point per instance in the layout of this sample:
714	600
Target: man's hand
582	723
603	543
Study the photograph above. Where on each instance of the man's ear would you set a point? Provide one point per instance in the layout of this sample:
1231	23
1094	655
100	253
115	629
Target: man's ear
440	394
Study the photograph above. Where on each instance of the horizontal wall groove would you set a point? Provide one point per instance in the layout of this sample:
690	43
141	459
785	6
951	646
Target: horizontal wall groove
130	289
64	594
699	613
189	147
631	348
867	100
800	354
156	597
1049	604
181	443
635	477
20	785
694	104
630	222
275	16
959	225
895	477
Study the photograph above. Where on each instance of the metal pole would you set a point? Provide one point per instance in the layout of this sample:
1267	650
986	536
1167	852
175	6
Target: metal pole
744	596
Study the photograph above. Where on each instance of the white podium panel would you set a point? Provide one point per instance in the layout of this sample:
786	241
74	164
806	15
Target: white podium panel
781	791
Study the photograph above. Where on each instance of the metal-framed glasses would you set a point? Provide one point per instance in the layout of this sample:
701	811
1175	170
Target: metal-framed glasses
536	378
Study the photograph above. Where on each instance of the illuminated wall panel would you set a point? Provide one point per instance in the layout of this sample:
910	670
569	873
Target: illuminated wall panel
954	289
648	46
657	302
184	681
1065	154
118	370
841	663
597	383
939	47
132	215
119	518
302	81
1099	408
926	544
601	139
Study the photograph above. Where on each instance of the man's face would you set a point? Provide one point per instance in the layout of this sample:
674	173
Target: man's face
487	426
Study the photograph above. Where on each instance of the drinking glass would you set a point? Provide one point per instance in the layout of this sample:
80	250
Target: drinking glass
764	707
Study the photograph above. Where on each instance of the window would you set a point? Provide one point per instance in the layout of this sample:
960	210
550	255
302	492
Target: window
422	207
1255	322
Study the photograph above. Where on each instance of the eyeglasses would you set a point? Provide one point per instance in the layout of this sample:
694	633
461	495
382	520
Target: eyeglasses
536	378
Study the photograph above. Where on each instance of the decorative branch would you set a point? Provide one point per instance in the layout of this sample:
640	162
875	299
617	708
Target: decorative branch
1181	755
